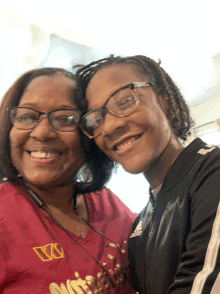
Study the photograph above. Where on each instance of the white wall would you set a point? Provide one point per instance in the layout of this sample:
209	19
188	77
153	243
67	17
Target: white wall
206	112
132	189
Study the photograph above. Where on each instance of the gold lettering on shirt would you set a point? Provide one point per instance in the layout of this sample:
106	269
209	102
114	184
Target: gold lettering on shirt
91	285
112	278
79	286
105	280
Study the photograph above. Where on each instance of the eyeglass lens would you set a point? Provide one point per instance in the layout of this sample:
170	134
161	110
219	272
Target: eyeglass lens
121	104
62	120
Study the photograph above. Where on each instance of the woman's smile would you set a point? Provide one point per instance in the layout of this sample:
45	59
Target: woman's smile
44	155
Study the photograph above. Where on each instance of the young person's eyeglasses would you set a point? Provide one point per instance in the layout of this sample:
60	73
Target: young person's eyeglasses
63	120
121	103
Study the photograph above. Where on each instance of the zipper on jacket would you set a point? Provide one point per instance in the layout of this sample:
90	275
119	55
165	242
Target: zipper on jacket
153	203
151	230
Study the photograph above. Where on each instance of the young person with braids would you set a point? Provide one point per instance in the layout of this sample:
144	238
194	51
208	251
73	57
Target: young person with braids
137	116
58	234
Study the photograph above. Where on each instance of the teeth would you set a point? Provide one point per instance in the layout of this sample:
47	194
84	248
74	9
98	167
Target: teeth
126	144
43	154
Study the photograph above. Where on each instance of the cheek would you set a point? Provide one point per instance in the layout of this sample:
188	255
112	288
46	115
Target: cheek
100	142
163	123
14	153
154	116
17	139
76	149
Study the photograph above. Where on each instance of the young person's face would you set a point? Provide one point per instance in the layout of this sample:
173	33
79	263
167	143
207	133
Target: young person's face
44	156
138	140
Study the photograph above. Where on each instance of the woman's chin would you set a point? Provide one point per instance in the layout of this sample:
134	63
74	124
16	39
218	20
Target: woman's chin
47	183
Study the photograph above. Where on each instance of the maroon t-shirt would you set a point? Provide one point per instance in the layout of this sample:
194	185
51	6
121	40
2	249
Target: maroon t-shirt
38	257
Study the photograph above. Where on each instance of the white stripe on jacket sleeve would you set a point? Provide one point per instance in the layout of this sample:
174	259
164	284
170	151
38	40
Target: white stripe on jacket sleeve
210	259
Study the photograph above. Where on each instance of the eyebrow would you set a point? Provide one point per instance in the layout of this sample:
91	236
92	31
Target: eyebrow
64	106
122	88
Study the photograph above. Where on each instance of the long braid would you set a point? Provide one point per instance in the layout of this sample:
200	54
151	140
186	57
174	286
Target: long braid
177	110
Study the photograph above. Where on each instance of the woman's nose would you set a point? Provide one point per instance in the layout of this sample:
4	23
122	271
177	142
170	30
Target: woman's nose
44	129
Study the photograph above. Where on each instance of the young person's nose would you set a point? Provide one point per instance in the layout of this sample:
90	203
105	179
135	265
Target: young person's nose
112	124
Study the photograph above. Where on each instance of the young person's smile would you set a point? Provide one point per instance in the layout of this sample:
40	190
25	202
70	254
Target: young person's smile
44	156
125	144
138	140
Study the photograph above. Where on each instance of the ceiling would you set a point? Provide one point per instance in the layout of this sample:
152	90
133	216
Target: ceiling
183	35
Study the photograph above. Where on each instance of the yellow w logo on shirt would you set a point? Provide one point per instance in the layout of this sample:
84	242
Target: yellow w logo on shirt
49	252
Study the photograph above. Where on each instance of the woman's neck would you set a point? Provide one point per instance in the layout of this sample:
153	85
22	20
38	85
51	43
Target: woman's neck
59	197
57	202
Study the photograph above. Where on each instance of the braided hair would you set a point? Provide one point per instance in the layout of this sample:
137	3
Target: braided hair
177	109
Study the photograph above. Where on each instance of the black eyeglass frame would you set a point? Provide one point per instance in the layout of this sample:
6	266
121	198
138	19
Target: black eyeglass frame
104	109
47	114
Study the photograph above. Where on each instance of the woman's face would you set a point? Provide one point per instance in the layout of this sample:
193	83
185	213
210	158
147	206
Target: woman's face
138	140
44	156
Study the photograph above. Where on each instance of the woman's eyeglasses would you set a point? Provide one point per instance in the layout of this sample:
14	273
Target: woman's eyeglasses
63	120
121	103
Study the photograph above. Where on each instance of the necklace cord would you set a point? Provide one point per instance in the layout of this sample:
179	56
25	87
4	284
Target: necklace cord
42	205
117	246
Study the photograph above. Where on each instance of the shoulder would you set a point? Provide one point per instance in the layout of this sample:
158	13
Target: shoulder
206	168
7	190
105	201
8	208
197	162
206	165
6	187
12	201
198	150
206	152
107	198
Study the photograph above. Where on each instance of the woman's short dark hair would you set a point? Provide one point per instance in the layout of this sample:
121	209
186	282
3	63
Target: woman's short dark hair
91	177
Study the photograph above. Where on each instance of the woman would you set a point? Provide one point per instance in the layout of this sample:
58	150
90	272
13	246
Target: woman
138	118
54	239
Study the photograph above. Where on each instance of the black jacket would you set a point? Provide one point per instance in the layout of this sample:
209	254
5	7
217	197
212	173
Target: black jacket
176	232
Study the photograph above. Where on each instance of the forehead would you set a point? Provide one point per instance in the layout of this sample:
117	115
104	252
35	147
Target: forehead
109	79
49	86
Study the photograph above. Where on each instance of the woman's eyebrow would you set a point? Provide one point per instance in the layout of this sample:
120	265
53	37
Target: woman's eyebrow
63	106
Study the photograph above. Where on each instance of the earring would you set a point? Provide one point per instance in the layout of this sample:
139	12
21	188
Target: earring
115	167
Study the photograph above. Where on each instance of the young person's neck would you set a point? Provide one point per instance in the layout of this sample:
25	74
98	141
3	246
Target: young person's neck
157	172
